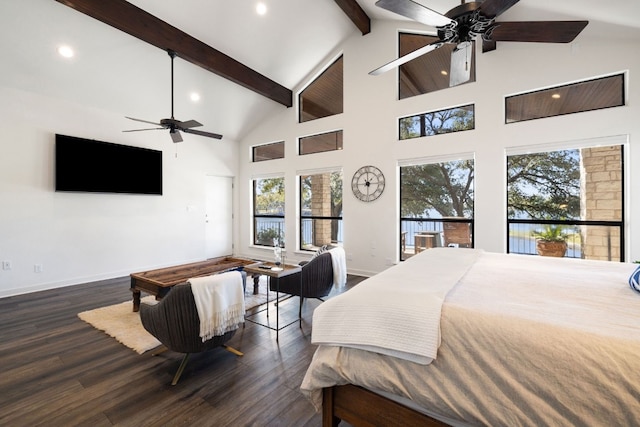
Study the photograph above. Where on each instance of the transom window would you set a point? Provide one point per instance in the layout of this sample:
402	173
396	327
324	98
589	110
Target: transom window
430	72
438	122
324	96
587	95
272	151
329	141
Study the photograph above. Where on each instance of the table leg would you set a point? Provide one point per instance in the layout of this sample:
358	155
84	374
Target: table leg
256	284
136	299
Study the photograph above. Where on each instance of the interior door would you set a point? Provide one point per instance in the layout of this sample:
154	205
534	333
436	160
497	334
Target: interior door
219	216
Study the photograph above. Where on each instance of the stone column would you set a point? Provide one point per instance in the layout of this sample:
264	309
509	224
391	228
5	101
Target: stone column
321	206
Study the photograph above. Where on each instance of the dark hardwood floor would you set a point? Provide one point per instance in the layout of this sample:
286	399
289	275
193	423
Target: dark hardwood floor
59	371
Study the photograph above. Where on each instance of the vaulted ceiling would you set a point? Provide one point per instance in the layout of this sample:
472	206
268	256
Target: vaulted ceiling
123	73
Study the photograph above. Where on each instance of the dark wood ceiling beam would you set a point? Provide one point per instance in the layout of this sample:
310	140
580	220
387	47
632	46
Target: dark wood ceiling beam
134	21
356	14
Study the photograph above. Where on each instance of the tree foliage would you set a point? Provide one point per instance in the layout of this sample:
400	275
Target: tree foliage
544	185
445	188
269	196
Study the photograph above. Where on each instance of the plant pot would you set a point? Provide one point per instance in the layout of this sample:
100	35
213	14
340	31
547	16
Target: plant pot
551	248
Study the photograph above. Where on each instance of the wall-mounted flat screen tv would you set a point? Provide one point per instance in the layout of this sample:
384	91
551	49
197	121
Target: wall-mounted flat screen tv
86	165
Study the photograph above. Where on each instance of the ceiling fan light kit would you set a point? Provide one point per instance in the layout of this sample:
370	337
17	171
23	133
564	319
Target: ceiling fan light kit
463	24
173	125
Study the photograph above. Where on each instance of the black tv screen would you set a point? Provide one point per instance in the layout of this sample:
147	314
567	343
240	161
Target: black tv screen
86	165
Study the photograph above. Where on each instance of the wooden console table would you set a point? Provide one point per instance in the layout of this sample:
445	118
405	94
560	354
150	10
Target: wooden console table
159	282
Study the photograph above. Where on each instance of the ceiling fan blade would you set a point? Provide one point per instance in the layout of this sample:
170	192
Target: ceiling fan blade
488	45
493	8
415	11
536	31
203	133
143	121
406	58
188	124
138	130
175	135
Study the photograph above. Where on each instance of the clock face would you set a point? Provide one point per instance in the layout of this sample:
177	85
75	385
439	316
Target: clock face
367	183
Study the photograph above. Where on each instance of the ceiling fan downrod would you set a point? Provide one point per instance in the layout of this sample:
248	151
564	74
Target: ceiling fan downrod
172	54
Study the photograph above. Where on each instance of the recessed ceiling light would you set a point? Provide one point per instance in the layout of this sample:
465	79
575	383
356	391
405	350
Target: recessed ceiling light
444	72
556	96
261	8
195	97
65	51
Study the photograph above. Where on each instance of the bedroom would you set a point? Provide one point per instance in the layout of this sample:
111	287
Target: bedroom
82	239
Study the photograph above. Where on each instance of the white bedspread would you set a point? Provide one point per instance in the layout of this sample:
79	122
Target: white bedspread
526	341
397	312
219	301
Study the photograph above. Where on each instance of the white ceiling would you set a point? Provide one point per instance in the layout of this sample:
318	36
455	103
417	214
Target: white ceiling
116	72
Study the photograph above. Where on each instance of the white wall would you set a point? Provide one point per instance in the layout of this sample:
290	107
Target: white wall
80	237
370	117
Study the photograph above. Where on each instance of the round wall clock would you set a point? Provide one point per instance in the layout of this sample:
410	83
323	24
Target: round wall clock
367	183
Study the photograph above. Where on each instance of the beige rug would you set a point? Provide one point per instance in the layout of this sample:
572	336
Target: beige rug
120	322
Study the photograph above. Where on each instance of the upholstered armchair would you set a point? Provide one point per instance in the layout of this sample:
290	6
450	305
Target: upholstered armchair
317	280
175	323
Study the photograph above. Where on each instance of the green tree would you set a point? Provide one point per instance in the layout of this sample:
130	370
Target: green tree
269	196
446	188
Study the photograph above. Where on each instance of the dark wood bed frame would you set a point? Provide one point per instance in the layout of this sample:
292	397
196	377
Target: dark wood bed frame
361	407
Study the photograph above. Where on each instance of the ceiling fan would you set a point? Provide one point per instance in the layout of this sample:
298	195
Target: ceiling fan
175	126
464	23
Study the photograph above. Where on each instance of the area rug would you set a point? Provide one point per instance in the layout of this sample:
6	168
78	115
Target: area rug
122	323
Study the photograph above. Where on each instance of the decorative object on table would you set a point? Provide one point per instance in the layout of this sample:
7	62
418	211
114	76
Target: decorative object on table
634	280
277	254
367	183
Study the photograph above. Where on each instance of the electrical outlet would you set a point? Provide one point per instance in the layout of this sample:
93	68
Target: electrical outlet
6	265
37	268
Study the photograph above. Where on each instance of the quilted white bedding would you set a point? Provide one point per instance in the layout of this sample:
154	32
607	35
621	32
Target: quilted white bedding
526	341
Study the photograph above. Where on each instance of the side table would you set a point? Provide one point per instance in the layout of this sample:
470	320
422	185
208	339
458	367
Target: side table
270	270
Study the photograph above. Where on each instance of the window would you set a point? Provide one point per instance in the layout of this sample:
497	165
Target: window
271	151
320	210
329	141
438	122
268	211
572	98
430	72
436	206
569	199
324	96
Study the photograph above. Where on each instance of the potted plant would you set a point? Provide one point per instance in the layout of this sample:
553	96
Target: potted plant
551	240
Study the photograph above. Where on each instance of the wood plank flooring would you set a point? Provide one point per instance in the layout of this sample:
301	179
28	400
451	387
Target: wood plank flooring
59	371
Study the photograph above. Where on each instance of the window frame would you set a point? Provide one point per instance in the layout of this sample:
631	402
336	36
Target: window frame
255	216
302	218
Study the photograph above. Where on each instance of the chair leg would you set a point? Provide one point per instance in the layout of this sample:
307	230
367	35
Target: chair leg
233	350
300	311
176	377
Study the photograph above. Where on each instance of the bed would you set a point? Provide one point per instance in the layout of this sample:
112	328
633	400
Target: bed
521	341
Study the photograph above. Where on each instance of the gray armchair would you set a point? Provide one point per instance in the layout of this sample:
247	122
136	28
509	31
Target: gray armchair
175	323
317	280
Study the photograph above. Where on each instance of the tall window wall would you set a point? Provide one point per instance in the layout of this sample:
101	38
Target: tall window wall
320	210
268	211
436	205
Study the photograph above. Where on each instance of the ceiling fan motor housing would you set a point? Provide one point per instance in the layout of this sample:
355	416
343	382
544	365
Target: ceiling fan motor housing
467	23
